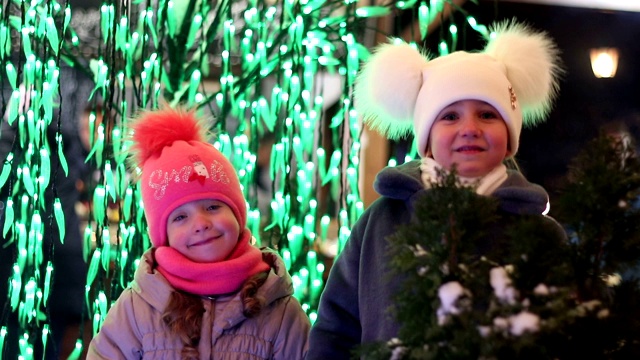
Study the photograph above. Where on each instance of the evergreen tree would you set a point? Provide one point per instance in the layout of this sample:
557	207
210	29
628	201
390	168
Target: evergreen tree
479	283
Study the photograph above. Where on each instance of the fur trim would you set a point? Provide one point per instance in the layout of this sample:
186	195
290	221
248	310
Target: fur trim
155	130
533	66
387	88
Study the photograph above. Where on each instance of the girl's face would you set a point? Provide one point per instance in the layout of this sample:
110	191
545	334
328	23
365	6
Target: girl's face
470	134
203	230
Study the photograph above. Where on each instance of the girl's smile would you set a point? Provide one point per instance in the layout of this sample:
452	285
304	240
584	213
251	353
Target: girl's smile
204	242
469	149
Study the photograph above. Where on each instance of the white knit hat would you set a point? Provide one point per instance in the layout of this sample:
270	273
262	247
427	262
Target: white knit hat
401	91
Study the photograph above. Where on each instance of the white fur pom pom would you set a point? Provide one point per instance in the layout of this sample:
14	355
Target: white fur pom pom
387	87
533	67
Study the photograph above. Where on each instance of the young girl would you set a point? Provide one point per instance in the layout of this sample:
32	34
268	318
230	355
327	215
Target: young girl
464	109
203	291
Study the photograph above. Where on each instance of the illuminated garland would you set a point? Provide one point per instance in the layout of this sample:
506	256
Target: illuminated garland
269	59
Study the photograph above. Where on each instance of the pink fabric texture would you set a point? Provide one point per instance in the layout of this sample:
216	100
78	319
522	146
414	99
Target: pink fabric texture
211	278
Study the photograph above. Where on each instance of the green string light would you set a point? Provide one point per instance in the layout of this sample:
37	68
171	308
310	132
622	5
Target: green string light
3	335
165	53
77	351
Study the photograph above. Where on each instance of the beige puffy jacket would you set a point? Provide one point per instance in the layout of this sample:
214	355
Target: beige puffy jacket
134	329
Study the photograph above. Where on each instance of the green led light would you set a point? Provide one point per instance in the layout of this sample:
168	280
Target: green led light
269	61
77	351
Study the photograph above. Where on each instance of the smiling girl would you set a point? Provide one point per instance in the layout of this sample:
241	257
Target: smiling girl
203	291
465	111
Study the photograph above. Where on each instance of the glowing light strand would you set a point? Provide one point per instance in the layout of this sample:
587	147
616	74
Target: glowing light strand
143	61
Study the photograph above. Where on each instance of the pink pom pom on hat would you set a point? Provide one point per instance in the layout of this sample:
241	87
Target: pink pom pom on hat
178	166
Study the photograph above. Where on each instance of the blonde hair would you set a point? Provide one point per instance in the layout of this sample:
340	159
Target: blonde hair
183	314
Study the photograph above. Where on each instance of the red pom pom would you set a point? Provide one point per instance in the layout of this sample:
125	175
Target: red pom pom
155	130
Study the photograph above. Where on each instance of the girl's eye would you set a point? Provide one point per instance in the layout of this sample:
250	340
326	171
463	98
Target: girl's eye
488	115
449	116
213	207
179	217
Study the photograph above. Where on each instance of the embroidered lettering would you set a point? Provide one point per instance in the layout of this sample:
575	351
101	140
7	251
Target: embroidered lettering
181	175
218	174
159	180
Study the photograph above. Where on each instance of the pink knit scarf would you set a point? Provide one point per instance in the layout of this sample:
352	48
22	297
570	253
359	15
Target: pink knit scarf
211	278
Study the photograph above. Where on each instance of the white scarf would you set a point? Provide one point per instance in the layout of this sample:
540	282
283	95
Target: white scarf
485	184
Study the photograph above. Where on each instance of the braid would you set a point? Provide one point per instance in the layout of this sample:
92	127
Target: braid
183	315
252	303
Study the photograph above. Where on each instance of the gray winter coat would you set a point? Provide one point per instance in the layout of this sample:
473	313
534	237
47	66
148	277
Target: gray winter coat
353	306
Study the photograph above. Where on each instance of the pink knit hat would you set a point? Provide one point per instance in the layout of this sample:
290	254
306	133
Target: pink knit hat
178	166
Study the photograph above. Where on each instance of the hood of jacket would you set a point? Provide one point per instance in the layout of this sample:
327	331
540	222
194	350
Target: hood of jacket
515	195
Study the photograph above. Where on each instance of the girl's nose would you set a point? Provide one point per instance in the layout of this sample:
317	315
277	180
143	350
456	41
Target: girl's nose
469	127
202	223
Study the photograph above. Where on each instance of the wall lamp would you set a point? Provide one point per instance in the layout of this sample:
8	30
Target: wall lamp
604	62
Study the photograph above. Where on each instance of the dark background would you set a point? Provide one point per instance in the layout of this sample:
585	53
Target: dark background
585	102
